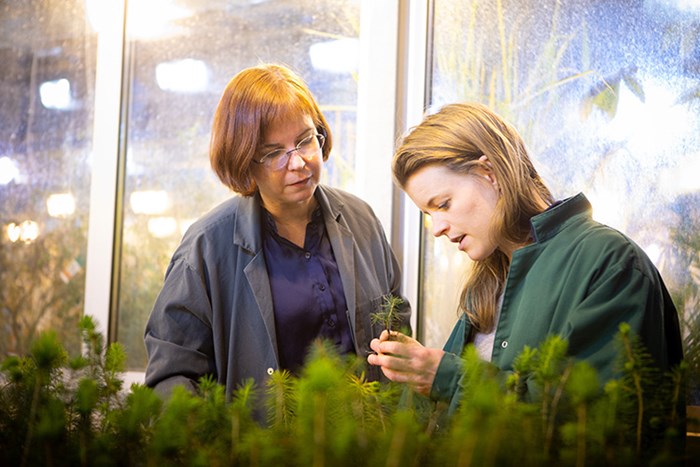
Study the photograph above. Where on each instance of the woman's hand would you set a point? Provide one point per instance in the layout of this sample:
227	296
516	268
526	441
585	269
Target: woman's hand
405	360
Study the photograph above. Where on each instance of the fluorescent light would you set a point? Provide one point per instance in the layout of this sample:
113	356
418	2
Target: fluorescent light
26	232
149	201
336	56
188	76
55	94
8	170
13	232
60	204
153	18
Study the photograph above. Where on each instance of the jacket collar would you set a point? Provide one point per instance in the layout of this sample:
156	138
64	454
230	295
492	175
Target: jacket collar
331	204
551	221
248	227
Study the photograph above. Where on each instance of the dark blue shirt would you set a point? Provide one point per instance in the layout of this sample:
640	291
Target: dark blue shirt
307	292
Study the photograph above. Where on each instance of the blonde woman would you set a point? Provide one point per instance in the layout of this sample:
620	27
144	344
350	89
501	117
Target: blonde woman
541	266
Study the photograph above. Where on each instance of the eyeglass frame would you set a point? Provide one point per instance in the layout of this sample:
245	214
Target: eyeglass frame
320	138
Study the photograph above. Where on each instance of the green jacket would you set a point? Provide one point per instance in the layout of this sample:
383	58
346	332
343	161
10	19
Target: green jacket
578	279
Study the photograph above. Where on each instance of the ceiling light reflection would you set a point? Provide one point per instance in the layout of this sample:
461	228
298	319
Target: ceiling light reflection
26	232
188	76
336	56
153	18
8	170
55	94
149	201
148	19
60	204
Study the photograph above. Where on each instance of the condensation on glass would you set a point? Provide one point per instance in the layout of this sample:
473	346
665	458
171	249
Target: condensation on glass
606	95
47	56
180	60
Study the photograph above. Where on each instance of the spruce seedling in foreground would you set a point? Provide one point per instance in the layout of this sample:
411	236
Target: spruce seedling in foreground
388	315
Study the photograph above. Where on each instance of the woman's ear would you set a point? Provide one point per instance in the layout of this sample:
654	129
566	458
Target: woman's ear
487	172
485	160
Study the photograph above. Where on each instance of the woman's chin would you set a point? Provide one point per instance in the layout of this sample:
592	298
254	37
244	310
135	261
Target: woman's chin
300	192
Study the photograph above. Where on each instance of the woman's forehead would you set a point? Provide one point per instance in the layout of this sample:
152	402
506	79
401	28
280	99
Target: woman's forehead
286	114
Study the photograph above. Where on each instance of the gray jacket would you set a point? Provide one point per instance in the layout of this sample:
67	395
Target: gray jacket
214	314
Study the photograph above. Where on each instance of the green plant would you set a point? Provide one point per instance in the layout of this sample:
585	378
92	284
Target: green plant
388	316
52	405
552	411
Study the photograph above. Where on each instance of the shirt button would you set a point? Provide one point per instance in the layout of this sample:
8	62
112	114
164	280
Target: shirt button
504	344
270	371
323	287
331	323
307	255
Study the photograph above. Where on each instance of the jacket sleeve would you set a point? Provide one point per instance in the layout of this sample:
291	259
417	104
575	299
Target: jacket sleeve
178	334
623	293
610	283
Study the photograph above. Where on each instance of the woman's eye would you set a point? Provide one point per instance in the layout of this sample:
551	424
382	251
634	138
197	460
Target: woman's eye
274	154
444	205
306	141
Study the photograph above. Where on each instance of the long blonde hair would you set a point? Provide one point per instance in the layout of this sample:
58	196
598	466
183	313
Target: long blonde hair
456	137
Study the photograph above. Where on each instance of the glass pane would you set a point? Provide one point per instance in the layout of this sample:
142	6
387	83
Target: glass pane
180	65
47	51
606	95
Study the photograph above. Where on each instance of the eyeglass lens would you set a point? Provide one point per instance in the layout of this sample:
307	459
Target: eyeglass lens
307	147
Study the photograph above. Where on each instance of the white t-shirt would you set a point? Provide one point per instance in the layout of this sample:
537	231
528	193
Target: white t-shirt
484	341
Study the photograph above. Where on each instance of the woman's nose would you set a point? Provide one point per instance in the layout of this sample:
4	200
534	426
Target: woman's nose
440	226
295	161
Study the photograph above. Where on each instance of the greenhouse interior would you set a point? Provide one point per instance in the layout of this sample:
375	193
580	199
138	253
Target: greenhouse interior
106	131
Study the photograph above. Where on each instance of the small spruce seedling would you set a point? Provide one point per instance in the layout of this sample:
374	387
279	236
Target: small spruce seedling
388	315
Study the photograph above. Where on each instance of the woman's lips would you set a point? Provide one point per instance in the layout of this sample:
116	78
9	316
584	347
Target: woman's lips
301	182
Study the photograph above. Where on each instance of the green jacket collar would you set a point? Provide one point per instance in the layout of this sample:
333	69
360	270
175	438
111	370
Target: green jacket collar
549	223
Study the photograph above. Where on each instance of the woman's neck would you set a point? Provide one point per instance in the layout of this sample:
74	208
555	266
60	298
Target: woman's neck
291	220
292	213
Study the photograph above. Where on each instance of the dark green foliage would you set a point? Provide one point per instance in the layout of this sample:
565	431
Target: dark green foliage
549	411
653	400
488	420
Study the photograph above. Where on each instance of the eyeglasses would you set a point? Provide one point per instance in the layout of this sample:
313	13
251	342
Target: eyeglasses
307	148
